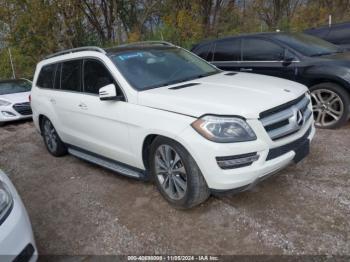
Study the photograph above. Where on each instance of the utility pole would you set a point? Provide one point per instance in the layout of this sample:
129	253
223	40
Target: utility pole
13	70
329	20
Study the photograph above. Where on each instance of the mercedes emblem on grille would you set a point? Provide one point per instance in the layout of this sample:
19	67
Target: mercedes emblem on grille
300	118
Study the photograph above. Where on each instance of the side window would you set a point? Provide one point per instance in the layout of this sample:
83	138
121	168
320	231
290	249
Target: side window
228	50
96	76
70	75
46	76
203	51
261	50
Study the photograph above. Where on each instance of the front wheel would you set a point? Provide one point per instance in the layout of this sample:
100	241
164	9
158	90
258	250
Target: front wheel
330	104
52	141
176	174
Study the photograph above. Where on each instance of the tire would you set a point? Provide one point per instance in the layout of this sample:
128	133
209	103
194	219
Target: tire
331	105
52	141
2	124
196	190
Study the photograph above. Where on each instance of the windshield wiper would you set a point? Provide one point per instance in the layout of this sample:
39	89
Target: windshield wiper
176	81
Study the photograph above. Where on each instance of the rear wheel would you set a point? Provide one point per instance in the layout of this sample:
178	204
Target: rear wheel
176	174
52	141
330	104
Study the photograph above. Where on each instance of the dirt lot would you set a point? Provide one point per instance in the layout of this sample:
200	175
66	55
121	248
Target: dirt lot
79	208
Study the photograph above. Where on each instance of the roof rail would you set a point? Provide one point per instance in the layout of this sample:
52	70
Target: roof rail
148	43
78	49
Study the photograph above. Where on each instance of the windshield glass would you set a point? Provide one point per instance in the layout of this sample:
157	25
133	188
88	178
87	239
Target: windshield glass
14	86
145	69
308	45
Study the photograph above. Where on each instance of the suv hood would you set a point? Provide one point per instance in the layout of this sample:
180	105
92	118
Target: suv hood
16	97
242	94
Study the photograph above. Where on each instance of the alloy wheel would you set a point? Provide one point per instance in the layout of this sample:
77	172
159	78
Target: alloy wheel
170	172
327	107
50	136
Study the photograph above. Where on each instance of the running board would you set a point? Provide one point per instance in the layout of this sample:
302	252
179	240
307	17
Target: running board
109	164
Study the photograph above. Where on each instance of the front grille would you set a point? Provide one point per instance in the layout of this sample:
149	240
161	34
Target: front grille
281	150
23	108
286	119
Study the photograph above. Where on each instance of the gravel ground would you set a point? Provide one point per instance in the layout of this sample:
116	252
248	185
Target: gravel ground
78	208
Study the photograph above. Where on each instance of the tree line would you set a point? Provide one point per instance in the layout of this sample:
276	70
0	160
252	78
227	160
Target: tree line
35	28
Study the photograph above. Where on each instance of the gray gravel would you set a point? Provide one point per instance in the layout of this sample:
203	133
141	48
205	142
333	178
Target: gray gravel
79	208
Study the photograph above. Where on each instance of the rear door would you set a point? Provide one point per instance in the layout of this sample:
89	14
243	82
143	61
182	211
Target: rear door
227	54
66	98
262	56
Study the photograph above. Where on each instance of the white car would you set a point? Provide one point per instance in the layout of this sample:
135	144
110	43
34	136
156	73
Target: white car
16	236
14	100
156	111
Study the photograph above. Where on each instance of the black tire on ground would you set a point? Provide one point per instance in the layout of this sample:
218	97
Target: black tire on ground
197	190
52	141
344	97
2	124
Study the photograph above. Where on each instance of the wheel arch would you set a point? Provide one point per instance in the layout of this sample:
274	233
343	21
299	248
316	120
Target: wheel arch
147	142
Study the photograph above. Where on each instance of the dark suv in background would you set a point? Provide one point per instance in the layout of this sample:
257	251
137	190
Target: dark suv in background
318	64
338	34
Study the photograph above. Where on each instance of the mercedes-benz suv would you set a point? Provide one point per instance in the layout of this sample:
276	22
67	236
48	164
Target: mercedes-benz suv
156	111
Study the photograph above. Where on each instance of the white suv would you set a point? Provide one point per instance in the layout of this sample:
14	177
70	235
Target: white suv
153	110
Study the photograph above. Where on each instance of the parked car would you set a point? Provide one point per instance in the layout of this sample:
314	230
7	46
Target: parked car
323	67
16	236
14	100
338	34
156	111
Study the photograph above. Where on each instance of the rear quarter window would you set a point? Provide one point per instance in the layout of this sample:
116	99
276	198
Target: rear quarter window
47	76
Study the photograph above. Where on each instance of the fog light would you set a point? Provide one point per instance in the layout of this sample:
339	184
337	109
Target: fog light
8	114
229	162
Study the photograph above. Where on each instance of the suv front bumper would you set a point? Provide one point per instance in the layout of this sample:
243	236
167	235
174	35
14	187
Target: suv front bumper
206	152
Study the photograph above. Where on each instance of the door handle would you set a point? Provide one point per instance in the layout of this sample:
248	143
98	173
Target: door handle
53	101
246	69
82	106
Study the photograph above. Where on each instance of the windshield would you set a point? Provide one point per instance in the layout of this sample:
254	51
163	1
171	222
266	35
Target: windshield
145	69
308	45
14	86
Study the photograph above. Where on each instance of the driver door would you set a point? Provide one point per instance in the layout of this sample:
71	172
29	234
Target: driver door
103	124
262	56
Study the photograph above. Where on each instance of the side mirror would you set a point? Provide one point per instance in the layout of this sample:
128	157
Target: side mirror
109	92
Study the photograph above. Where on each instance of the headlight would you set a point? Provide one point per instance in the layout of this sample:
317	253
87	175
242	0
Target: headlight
4	103
5	200
224	129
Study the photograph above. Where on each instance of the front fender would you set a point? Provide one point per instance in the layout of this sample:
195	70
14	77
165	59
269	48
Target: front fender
337	74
